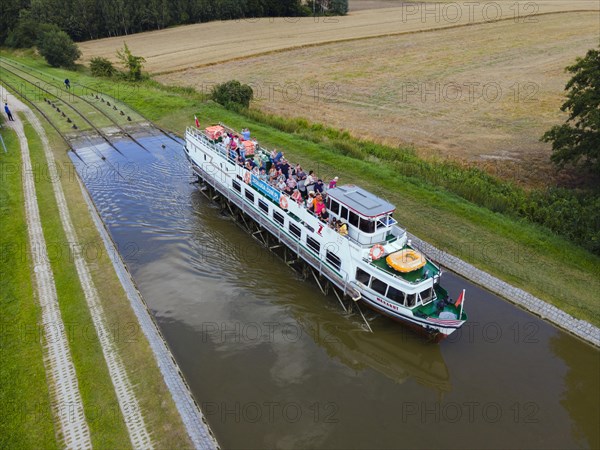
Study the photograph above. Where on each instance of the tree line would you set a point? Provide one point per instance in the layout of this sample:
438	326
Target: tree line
92	19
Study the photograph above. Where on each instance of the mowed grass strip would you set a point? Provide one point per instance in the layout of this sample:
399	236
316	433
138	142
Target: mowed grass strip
155	400
25	416
101	408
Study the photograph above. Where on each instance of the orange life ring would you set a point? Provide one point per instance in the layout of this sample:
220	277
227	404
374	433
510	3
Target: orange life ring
283	202
247	177
376	252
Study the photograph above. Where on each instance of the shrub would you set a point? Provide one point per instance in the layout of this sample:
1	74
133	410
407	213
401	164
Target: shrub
232	93
58	48
102	67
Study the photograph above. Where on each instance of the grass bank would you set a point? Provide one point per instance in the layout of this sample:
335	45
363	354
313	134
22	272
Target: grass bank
524	254
25	416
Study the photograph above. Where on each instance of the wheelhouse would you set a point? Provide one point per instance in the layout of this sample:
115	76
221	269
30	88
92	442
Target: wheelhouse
369	217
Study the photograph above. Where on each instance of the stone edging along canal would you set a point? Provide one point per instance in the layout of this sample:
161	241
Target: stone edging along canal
580	328
197	427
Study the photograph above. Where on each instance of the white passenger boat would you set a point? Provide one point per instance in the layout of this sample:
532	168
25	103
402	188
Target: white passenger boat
374	262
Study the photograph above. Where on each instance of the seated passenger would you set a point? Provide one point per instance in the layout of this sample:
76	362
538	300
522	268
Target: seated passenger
281	185
310	201
343	229
319	205
272	175
291	182
319	186
297	196
263	175
324	216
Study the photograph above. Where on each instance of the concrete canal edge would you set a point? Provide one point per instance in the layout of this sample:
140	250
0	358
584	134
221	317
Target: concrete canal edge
198	429
580	328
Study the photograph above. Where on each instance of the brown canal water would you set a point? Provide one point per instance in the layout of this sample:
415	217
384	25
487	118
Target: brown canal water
276	364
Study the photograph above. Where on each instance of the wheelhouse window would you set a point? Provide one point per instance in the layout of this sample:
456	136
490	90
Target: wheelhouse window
263	205
278	218
236	186
333	259
378	286
411	300
427	295
344	213
295	230
366	225
334	207
313	244
395	295
249	195
362	276
353	219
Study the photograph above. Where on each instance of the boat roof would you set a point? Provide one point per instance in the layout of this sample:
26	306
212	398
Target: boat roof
360	201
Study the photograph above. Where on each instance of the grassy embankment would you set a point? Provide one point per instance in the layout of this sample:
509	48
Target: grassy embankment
25	415
523	254
100	404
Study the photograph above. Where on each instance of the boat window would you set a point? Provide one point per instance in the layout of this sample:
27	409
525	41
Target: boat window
366	225
362	276
311	229
344	213
426	295
333	259
250	195
411	300
353	219
335	207
278	218
295	230
236	186
395	295
313	244
378	286
262	205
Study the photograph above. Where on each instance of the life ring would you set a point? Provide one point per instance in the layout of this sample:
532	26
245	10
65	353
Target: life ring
247	177
376	252
283	202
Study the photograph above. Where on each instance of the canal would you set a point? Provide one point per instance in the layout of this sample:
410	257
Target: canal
276	364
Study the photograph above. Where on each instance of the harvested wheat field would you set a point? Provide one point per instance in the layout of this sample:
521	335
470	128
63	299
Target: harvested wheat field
483	93
201	44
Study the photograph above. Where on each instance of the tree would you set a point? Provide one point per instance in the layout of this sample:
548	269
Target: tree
577	141
58	48
232	94
338	7
131	62
101	67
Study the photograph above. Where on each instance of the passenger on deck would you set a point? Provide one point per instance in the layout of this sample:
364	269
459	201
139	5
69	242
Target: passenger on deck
310	201
285	167
297	196
263	175
291	182
324	216
227	141
343	229
319	186
301	186
246	134
319	205
333	183
281	184
273	175
310	181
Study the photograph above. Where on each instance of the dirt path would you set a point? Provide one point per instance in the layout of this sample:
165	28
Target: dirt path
72	427
138	432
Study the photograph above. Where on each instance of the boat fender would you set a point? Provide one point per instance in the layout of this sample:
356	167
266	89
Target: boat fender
283	202
376	252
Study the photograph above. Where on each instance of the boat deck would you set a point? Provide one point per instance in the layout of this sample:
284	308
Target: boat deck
412	277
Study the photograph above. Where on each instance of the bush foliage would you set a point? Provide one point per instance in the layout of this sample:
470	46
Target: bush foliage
232	94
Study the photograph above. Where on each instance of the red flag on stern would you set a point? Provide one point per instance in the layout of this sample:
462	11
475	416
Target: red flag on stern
197	122
460	299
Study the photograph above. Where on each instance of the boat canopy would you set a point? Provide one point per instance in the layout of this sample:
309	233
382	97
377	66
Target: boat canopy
360	201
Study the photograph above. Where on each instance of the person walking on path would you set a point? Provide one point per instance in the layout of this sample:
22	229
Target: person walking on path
8	113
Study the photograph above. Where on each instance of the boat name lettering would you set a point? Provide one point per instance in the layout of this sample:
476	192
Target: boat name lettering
386	303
